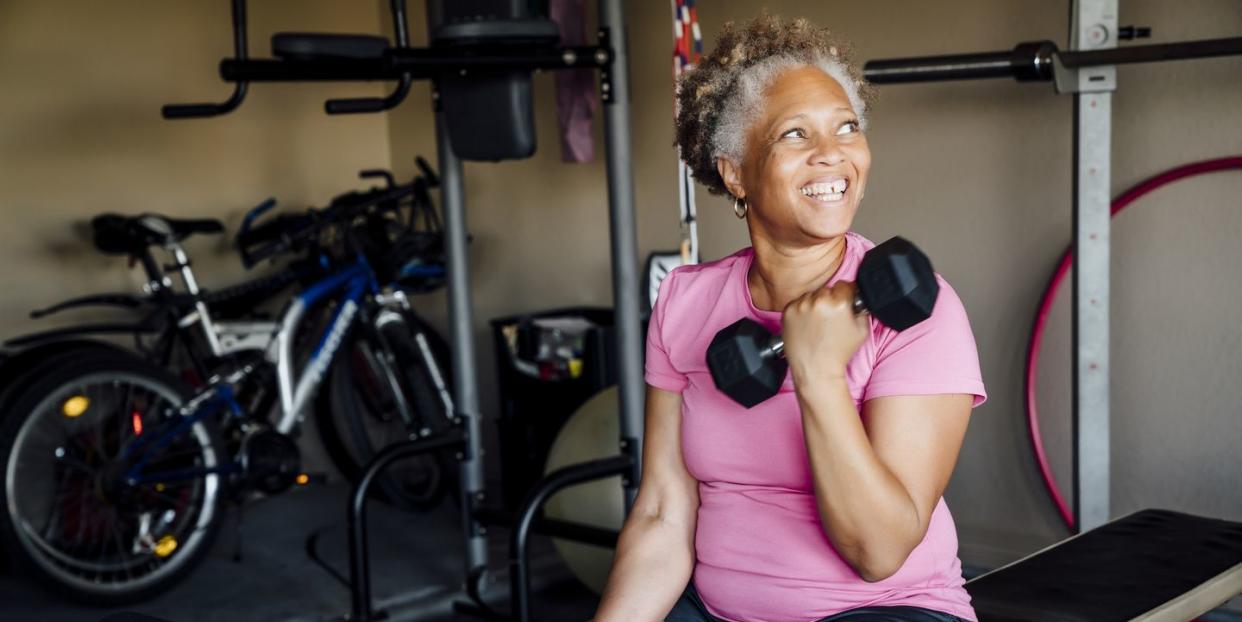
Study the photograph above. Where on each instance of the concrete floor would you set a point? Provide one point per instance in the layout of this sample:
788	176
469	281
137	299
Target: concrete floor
416	568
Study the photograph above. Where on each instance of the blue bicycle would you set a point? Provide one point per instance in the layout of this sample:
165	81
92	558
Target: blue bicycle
115	474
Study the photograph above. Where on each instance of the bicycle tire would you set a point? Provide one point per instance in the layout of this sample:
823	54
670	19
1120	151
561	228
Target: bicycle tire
193	509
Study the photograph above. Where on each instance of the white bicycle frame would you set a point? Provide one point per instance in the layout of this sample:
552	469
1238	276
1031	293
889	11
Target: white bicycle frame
276	339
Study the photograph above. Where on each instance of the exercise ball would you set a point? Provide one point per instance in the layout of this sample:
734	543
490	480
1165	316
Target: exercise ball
591	433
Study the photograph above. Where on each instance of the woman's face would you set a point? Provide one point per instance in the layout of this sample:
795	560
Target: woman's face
806	160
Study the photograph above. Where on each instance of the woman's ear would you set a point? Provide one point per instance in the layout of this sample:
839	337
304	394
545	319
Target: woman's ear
731	173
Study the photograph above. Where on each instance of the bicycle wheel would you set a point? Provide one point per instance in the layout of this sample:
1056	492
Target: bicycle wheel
358	413
68	514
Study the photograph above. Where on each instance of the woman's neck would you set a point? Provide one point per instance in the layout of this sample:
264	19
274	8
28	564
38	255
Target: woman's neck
780	274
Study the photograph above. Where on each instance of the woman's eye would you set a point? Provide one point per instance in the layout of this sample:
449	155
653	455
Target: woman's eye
849	127
797	132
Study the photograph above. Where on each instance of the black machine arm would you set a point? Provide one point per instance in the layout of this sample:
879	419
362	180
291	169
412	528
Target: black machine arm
184	111
401	63
419	63
1035	61
481	66
375	104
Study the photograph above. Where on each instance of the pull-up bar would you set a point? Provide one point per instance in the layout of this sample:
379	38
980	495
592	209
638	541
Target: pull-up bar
1088	72
480	69
1035	61
527	45
1155	587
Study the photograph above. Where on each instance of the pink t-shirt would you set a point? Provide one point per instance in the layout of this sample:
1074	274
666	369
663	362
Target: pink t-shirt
761	553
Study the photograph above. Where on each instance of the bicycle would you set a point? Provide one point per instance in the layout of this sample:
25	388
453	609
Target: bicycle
176	333
114	472
175	329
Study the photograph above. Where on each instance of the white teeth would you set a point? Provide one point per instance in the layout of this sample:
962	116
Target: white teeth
834	188
831	191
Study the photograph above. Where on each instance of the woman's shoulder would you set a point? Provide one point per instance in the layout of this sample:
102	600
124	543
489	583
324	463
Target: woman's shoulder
706	275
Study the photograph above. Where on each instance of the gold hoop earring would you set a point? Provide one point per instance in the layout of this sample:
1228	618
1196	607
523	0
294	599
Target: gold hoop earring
740	208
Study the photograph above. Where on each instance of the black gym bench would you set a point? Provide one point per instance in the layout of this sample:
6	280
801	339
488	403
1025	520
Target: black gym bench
1152	565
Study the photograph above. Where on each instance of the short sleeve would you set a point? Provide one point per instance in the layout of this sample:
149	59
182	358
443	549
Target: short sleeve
660	372
934	357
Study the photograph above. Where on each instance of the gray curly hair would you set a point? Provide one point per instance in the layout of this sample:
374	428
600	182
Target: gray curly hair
721	97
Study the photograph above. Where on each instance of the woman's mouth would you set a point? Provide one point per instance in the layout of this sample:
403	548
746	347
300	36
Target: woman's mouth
827	191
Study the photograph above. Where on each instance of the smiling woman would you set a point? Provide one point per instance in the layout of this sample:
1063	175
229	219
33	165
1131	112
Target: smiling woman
807	164
720	99
823	502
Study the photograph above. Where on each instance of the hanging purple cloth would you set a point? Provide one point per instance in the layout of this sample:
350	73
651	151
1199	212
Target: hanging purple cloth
575	88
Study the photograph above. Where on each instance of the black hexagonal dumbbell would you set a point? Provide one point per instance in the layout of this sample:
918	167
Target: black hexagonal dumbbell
896	284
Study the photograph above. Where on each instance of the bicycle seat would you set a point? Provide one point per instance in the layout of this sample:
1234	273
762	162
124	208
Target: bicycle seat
313	46
115	234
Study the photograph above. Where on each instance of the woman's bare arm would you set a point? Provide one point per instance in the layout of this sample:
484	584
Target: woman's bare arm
878	478
655	554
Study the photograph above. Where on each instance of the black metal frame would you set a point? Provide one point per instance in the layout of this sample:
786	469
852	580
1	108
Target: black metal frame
404	64
1088	72
519	554
359	555
525	522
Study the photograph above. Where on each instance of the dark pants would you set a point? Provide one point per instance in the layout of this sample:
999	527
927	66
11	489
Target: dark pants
690	608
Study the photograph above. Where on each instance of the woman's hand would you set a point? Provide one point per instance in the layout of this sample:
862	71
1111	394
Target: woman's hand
822	332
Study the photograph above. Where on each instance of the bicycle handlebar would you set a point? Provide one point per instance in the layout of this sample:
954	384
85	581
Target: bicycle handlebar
286	232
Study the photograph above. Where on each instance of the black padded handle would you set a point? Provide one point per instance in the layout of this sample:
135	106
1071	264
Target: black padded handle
354	106
186	111
189	111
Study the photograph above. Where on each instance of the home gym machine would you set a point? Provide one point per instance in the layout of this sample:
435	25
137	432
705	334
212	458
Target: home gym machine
480	60
1154	564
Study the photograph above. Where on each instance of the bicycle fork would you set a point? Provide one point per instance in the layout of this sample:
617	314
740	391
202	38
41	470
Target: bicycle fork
390	326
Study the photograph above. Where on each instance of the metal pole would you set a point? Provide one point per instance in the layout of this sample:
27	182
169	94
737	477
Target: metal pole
625	281
1092	25
461	332
1181	50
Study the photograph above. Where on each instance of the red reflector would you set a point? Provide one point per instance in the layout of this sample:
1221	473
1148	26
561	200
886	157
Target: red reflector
137	419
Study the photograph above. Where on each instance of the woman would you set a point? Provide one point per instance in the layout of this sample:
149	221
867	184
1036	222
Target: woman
823	502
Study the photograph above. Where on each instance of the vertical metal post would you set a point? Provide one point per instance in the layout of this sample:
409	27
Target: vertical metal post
1093	26
625	281
461	333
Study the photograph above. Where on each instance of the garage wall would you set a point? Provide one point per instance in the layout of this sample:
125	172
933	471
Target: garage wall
979	175
81	133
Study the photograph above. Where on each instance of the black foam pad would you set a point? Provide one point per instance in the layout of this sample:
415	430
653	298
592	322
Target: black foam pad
1114	572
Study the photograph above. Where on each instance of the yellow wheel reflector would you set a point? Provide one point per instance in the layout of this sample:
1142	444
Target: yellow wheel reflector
303	479
159	488
165	546
75	406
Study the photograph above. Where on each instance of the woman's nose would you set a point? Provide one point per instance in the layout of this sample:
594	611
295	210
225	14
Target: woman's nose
828	152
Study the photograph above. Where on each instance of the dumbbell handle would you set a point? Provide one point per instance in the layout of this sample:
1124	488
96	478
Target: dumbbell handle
777	346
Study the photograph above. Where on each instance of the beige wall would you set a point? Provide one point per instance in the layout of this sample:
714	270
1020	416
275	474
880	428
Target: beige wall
81	133
979	175
81	85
